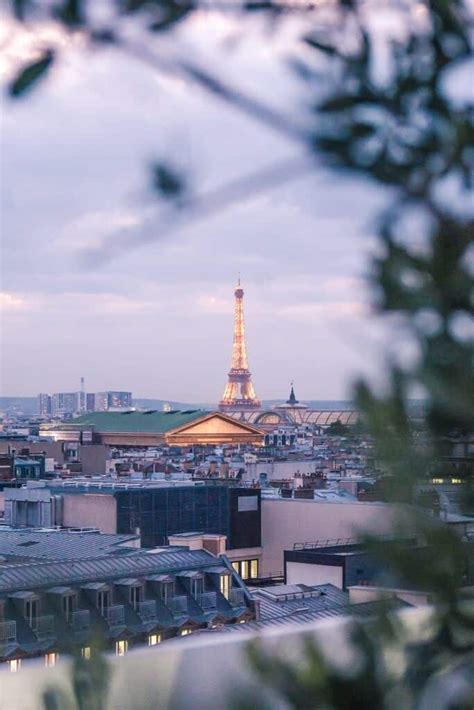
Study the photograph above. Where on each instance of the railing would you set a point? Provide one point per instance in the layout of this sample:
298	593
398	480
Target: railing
81	620
147	610
237	597
179	605
44	627
207	600
115	615
7	632
338	541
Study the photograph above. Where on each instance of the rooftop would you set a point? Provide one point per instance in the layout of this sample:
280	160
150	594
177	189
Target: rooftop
62	545
152	422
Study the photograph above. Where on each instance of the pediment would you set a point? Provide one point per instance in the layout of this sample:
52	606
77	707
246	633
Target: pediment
216	424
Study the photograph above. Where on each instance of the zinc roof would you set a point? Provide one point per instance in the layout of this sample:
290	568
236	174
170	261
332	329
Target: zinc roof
152	422
48	574
61	545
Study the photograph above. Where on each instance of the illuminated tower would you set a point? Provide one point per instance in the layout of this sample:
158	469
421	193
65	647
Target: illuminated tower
239	392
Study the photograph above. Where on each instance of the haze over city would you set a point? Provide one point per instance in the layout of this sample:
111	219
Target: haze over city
131	318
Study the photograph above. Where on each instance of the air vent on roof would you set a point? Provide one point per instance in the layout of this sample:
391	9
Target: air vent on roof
129	412
150	411
189	411
172	411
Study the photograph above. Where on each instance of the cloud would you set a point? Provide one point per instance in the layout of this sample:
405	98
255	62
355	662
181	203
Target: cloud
158	319
10	302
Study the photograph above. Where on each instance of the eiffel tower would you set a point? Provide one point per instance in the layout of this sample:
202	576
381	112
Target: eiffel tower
239	392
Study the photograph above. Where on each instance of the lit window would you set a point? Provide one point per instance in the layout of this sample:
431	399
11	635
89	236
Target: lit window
86	652
244	569
438	480
225	585
456	480
50	659
121	647
154	639
253	569
185	632
14	664
236	566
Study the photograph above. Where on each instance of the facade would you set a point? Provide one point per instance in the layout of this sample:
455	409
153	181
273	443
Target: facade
290	521
239	393
353	565
44	405
105	401
49	608
155	512
193	427
64	403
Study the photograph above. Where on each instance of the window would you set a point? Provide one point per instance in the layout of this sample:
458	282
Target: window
253	569
154	639
50	659
236	566
247	503
224	585
167	590
197	587
103	601
86	653
14	664
185	632
69	606
244	569
31	613
121	647
135	596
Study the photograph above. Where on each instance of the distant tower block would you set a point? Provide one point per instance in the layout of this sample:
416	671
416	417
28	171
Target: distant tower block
239	392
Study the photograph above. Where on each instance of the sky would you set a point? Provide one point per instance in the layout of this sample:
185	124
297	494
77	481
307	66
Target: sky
93	283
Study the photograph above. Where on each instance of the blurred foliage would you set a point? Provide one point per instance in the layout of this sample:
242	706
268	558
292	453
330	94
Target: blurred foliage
394	122
90	679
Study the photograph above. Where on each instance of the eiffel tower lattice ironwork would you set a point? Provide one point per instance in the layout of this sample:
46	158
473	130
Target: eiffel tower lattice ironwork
239	392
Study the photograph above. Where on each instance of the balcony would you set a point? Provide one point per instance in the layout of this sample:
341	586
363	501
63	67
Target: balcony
207	601
81	620
147	610
179	606
237	597
44	627
114	615
7	632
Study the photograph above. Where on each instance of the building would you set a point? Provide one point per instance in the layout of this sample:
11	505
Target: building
193	427
44	405
290	521
105	401
90	402
64	404
50	607
158	512
351	564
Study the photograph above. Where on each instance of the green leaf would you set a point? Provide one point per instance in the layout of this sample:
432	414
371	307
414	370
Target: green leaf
30	74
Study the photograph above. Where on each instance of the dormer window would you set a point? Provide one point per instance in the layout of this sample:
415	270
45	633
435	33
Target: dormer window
69	604
32	613
136	595
166	592
197	587
103	601
224	585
